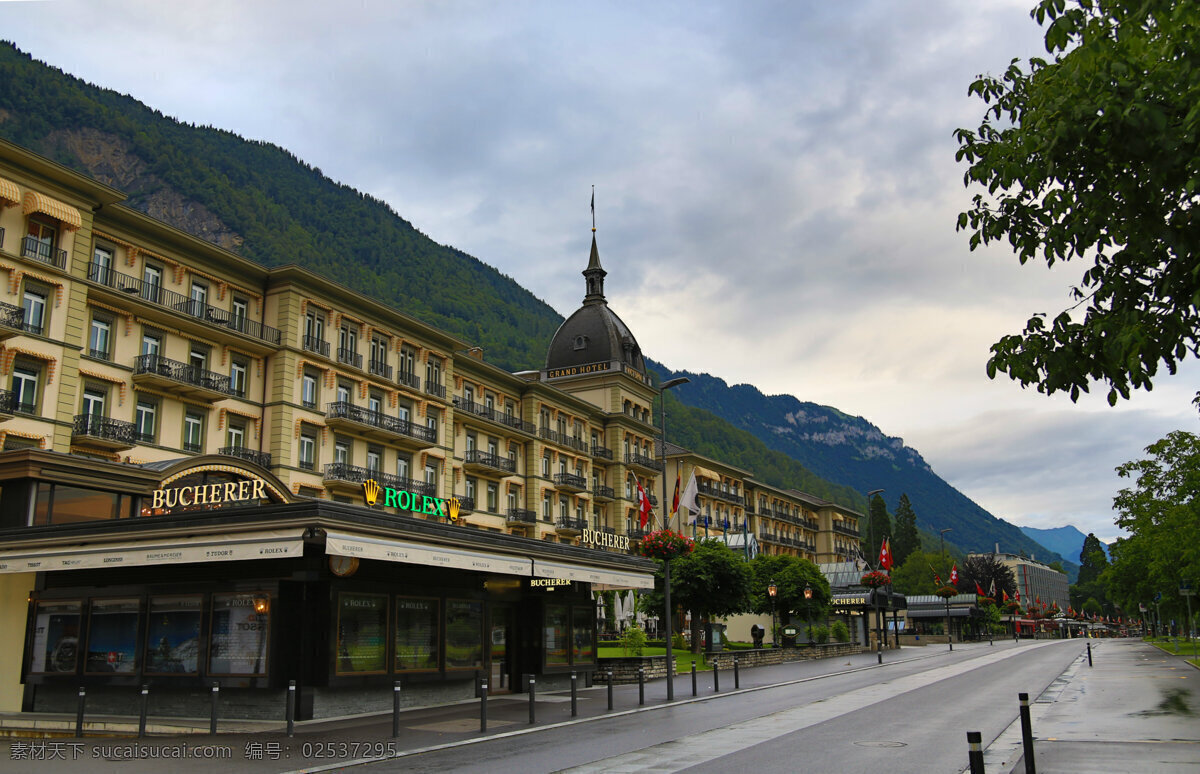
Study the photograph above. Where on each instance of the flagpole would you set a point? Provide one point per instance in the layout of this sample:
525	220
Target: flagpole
662	396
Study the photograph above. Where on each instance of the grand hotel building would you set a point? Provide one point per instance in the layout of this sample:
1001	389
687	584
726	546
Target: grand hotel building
215	472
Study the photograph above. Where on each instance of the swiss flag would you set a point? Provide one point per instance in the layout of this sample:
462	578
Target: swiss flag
885	556
979	589
643	506
954	575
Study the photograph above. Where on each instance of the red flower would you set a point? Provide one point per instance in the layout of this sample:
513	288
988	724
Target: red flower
874	579
665	544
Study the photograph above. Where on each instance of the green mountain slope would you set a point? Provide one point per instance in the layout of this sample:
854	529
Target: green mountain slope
269	206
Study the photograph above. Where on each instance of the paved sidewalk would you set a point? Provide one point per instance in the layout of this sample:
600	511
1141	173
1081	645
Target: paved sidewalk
1135	709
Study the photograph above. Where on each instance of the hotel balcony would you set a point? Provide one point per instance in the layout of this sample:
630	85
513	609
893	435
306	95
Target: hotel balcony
142	293
181	379
603	494
342	473
643	461
810	524
520	517
12	320
8	405
637	533
492	415
574	442
408	379
841	528
38	250
569	482
342	415
465	504
314	344
379	368
102	432
713	491
485	462
603	452
569	526
262	459
349	357
436	390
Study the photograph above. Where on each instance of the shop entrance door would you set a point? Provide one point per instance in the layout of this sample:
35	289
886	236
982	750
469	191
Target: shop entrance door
502	649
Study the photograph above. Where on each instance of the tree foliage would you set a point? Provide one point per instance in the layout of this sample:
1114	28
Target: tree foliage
908	538
1094	155
915	576
985	569
711	581
791	575
1161	513
879	526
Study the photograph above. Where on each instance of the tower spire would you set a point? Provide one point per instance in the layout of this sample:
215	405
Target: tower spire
594	273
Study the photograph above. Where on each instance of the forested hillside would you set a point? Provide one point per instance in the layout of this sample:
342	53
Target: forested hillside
271	207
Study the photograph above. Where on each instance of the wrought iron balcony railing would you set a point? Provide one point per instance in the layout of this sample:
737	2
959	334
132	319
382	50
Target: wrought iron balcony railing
344	410
349	357
409	379
314	344
479	457
262	459
633	458
521	516
97	426
379	368
183	372
32	247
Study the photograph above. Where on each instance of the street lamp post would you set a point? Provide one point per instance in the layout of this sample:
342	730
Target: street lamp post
875	592
662	396
949	635
870	531
808	610
772	590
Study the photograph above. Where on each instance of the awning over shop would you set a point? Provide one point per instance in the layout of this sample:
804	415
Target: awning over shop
384	549
578	572
955	612
268	544
65	214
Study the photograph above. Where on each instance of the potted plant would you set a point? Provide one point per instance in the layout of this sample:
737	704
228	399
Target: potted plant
666	545
875	579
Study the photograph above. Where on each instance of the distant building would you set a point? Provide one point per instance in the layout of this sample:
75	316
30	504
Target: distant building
1035	580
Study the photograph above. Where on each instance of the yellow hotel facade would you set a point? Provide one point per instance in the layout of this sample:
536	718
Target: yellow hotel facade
185	437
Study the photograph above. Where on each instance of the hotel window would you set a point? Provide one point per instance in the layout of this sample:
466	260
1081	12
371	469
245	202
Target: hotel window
563	507
546	465
342	394
348	338
199	299
375	460
378	360
431	422
238	314
145	421
546	514
629	486
433	372
100	339
407	366
102	262
489	401
492	497
431	474
198	360
562	428
152	283
93	401
341	451
25	380
508	408
151	344
34	304
404	467
308	390
512	455
237	377
235	435
404	411
470	440
493	447
512	499
308	451
193	432
468	395
470	487
40	241
544	419
375	403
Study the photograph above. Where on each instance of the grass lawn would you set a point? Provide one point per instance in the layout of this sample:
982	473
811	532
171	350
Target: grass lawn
1175	647
683	658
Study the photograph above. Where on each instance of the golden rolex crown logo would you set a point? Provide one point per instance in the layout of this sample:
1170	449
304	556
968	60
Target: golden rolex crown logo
370	491
454	506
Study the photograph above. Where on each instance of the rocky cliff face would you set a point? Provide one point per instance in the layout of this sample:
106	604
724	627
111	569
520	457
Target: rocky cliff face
109	160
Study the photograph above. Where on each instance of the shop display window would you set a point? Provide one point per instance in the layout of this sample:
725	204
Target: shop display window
173	635
464	634
55	646
112	636
241	625
416	634
361	634
583	645
556	638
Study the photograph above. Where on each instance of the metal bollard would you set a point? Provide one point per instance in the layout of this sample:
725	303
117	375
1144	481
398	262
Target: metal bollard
693	678
395	709
641	686
574	699
532	698
975	751
142	714
79	712
291	708
716	676
482	706
1027	734
212	716
1089	647
737	681
610	689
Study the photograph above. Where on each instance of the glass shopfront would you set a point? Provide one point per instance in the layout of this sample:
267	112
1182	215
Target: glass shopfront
173	635
362	634
55	645
417	634
240	631
112	636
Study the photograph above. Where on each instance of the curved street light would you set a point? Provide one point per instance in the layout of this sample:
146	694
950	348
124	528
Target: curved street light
662	393
772	590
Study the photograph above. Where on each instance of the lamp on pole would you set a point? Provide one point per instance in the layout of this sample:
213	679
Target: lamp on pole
662	396
772	590
942	537
808	610
874	592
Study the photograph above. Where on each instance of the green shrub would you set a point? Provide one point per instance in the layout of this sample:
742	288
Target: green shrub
633	641
678	643
820	634
839	631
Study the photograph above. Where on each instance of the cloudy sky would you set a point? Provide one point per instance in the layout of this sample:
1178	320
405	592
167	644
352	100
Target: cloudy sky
776	188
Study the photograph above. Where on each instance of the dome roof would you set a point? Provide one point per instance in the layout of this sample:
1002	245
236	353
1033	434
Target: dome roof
594	333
